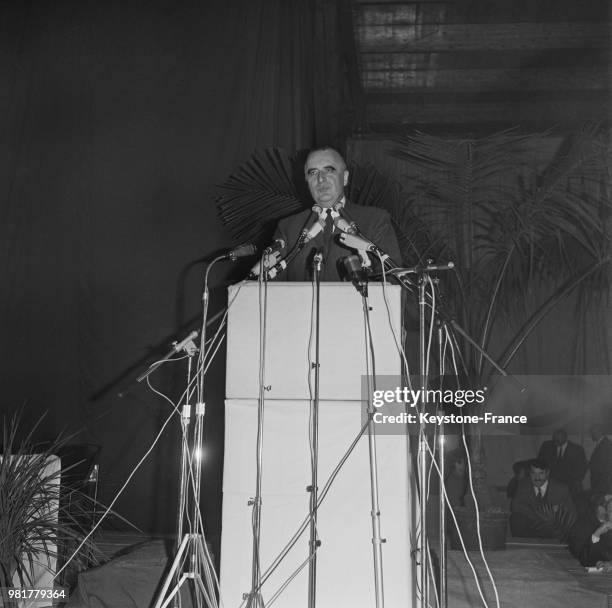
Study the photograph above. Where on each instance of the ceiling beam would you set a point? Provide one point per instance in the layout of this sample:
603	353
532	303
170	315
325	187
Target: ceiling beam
487	11
483	37
524	79
585	58
412	110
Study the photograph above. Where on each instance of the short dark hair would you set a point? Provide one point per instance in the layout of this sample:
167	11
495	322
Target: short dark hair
538	463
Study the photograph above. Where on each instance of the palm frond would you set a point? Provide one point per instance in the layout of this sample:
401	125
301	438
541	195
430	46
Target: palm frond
369	187
260	192
504	219
554	520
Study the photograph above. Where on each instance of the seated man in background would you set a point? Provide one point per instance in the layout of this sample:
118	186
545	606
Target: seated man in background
590	538
539	503
566	461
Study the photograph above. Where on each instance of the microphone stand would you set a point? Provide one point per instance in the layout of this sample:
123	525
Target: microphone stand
375	511
443	594
254	597
314	543
422	271
360	281
192	546
192	543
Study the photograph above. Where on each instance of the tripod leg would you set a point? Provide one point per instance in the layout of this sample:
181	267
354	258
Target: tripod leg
175	565
204	560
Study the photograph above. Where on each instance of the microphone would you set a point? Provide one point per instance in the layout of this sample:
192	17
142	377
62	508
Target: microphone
427	267
362	246
343	222
309	233
277	268
242	251
270	258
268	262
356	273
344	226
276	246
357	242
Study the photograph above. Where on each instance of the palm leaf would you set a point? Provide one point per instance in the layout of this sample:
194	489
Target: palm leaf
369	187
259	193
554	520
505	221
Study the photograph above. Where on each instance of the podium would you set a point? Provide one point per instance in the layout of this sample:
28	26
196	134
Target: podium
345	575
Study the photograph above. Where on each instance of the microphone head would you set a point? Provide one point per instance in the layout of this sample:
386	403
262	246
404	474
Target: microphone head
309	233
356	242
269	260
277	245
352	265
242	251
356	273
343	225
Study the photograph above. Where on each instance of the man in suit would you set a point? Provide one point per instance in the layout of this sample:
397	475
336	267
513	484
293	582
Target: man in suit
538	500
566	461
601	462
326	175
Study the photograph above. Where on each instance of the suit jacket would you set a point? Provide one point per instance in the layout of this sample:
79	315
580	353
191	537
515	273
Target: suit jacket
581	545
374	223
526	503
601	467
570	469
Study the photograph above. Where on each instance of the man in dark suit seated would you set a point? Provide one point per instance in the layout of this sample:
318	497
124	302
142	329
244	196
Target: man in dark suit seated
326	175
538	501
566	460
601	462
590	538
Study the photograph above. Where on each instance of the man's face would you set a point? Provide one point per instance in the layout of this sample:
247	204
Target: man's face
326	176
538	476
559	438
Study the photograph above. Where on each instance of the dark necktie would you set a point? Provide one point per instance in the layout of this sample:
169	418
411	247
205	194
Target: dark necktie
328	230
329	223
539	495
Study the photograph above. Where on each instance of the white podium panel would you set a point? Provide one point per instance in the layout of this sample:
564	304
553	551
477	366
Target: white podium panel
289	323
345	575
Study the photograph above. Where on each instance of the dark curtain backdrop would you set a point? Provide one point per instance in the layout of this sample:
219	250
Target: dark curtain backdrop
117	120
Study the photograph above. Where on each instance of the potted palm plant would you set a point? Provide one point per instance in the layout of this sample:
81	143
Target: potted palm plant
35	519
